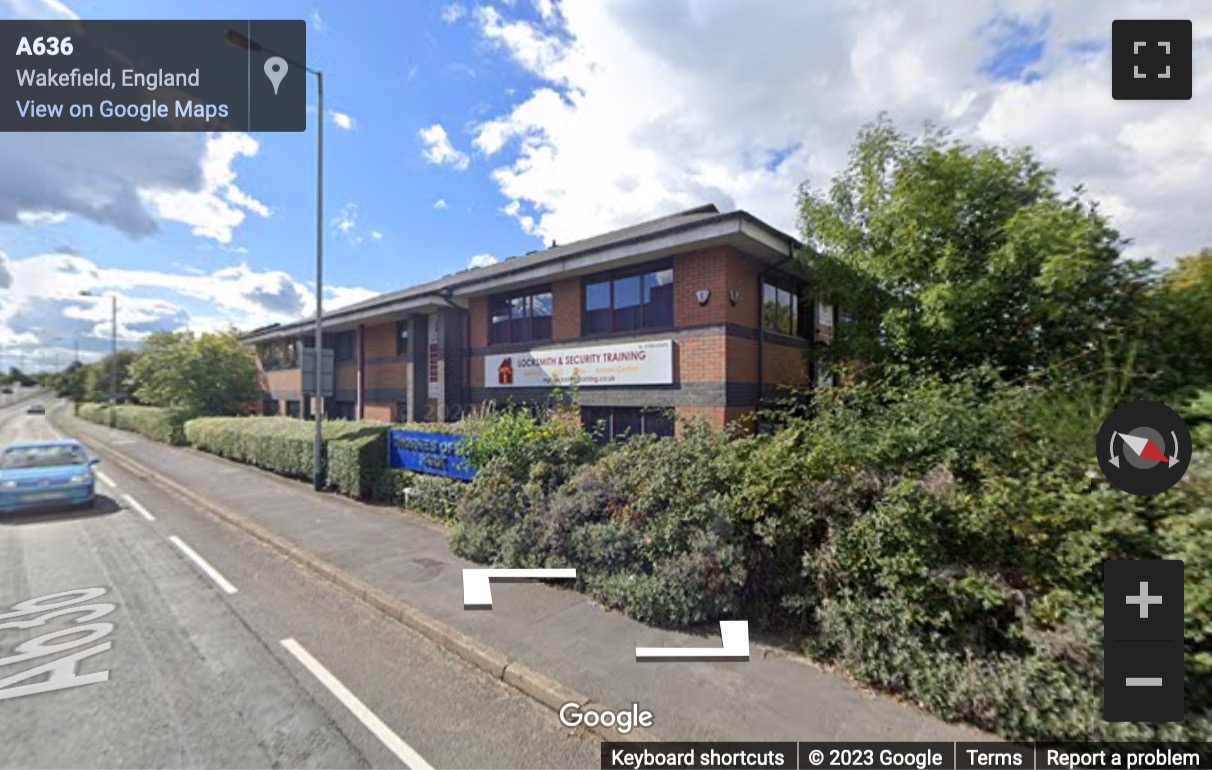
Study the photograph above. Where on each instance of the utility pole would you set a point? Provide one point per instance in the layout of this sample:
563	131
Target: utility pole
113	357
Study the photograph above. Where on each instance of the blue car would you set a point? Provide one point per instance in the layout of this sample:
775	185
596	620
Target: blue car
36	474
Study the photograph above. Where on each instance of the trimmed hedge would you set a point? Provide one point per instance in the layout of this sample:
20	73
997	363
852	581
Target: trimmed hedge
435	496
154	422
354	466
284	445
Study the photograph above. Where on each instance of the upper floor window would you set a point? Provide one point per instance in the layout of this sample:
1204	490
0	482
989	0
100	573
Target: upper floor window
781	306
343	345
278	354
401	338
625	300
520	316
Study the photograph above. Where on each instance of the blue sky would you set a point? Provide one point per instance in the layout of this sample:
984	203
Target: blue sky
462	132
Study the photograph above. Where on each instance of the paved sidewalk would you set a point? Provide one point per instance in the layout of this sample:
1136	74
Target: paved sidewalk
556	632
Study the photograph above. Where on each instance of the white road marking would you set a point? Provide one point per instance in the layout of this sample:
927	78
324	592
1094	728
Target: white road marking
210	571
133	503
393	742
101	475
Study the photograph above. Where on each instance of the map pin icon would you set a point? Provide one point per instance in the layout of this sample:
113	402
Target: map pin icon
275	70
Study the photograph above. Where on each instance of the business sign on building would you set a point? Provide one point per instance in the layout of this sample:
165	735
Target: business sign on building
433	453
629	363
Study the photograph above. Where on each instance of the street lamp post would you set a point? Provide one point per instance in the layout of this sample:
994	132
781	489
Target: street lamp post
113	359
243	41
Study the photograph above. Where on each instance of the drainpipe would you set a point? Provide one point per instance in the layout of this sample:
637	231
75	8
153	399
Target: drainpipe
361	407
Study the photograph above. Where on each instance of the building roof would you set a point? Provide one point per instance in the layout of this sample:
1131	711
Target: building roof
694	228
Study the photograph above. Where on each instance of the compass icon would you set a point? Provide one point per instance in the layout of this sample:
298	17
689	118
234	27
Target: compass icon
1143	447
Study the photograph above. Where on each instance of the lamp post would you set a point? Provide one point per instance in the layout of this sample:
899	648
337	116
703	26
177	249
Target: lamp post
244	42
113	353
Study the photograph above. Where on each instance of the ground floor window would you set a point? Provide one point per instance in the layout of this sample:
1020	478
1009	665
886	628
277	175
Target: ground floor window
269	407
617	423
341	410
292	408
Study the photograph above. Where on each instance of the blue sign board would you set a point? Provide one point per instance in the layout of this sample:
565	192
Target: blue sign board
434	453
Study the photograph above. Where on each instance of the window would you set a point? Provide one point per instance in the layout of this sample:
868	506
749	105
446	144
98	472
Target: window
343	345
520	317
292	408
341	410
269	406
824	314
627	300
781	306
278	354
401	338
619	423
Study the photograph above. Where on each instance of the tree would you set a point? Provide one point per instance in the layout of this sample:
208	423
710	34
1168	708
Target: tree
71	382
99	378
211	374
1182	329
953	256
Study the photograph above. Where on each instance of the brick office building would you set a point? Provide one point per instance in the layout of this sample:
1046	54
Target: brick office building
698	312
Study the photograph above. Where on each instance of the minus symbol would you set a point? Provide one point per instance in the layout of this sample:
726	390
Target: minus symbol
1144	681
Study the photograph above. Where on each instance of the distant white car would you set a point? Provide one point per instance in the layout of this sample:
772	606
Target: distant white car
36	409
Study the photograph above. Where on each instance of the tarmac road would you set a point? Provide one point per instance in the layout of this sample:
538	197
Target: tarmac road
220	653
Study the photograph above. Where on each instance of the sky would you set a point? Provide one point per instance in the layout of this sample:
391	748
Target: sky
461	133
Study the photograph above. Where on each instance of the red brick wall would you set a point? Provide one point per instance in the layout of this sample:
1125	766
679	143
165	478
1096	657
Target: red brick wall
701	359
381	412
566	309
283	379
380	340
781	364
387	375
692	272
478	309
741	273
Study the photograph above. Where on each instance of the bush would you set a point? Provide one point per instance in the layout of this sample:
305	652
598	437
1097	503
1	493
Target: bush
644	526
157	423
285	446
354	465
434	496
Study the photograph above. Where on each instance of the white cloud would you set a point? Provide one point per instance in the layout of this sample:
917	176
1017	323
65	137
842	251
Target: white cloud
219	206
453	12
691	101
317	22
341	120
440	203
438	149
44	313
348	226
481	260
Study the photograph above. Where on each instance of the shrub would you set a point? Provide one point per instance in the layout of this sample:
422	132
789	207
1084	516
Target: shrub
157	423
644	526
285	446
434	496
354	465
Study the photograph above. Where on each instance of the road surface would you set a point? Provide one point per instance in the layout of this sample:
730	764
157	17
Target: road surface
219	653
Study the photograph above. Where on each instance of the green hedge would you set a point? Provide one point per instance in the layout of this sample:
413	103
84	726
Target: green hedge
354	465
284	445
434	496
158	423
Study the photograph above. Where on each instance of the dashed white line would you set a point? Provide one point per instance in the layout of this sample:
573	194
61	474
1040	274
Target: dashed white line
393	742
101	475
133	503
210	571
